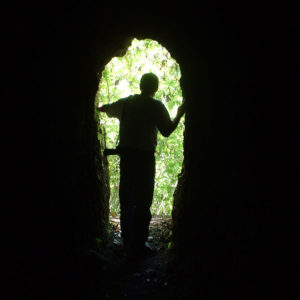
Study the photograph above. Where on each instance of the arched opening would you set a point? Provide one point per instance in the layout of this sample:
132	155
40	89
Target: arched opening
119	79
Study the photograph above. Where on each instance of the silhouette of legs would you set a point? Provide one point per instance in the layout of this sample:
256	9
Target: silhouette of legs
137	174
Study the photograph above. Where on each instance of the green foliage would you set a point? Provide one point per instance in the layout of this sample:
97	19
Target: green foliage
121	78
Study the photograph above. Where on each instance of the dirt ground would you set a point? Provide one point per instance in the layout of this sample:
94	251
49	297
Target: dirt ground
146	278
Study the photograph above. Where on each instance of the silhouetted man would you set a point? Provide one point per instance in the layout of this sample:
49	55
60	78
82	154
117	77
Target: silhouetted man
140	117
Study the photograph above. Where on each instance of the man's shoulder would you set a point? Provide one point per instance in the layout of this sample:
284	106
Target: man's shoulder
121	101
124	99
128	98
158	104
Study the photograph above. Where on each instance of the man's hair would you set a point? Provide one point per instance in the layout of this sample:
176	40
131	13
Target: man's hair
149	83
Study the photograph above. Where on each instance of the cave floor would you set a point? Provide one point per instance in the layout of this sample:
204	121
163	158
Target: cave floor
152	277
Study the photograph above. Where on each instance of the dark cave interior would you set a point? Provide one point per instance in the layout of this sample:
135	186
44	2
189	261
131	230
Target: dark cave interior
223	208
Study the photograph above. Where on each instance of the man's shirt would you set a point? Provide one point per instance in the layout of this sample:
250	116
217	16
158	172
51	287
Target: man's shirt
140	119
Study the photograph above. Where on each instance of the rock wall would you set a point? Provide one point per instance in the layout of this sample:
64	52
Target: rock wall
223	215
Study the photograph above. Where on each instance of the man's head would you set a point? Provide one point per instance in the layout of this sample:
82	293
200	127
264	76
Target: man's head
149	84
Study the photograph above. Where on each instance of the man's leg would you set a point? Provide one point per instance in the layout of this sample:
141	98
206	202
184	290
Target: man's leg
145	187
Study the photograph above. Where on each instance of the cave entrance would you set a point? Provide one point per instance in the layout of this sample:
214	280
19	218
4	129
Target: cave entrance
119	79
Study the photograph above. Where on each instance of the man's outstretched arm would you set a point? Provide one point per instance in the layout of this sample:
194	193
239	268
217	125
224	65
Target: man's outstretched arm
112	109
165	125
103	108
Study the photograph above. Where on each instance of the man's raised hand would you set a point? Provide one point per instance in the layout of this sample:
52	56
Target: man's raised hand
181	109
